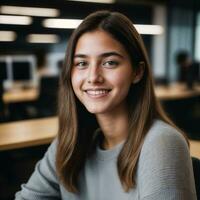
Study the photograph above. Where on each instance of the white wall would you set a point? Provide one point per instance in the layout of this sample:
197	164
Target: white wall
180	37
197	39
159	43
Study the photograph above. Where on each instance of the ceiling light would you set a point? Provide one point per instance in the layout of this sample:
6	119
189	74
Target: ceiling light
62	23
96	1
17	20
7	36
31	11
43	38
149	29
73	23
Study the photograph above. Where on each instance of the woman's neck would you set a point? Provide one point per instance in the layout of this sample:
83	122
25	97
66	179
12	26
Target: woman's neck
114	127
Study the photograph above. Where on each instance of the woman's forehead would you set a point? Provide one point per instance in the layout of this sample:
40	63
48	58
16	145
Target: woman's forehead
98	42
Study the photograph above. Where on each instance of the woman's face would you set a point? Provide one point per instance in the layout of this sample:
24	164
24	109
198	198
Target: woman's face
102	72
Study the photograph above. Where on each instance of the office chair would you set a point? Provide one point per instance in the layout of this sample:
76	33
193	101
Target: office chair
196	169
2	111
47	101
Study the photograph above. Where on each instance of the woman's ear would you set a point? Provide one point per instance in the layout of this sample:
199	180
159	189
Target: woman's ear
139	72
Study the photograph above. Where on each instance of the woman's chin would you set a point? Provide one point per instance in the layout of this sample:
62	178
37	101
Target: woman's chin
96	110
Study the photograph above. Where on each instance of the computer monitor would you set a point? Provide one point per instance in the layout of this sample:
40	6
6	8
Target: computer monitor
3	71
21	70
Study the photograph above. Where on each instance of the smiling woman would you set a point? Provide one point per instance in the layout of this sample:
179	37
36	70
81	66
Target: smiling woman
101	78
114	139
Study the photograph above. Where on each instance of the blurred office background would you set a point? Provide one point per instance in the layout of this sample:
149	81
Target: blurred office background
33	39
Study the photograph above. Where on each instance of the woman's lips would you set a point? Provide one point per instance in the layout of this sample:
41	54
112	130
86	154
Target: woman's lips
97	93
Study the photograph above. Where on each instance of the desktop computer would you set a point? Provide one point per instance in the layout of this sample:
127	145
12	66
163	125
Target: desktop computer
3	71
21	71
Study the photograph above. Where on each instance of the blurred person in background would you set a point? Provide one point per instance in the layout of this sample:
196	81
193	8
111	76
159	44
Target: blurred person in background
114	141
189	70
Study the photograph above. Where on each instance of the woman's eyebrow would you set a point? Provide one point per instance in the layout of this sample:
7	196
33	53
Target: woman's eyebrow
112	53
106	54
80	56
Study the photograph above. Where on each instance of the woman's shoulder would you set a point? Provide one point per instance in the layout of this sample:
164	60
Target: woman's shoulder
164	164
163	133
163	140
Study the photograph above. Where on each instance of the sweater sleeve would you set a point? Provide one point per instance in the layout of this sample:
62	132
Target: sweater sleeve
43	183
165	167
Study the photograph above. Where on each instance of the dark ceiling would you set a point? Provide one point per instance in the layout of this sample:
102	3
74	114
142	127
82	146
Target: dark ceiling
138	11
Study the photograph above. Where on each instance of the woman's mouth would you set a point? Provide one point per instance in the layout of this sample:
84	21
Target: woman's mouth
97	93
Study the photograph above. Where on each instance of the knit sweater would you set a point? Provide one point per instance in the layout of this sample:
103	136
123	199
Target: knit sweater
164	172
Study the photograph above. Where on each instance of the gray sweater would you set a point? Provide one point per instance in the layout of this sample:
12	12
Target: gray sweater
164	172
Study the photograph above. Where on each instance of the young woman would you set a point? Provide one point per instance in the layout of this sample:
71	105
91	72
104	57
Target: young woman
114	140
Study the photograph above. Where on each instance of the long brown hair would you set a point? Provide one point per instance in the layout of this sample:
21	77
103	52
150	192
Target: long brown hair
77	126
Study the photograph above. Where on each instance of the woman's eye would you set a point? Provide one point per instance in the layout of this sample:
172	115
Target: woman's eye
110	63
81	64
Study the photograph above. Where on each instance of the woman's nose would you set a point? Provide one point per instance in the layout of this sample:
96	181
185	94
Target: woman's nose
95	74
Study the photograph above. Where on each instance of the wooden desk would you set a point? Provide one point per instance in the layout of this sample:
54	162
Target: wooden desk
27	133
176	91
195	148
20	95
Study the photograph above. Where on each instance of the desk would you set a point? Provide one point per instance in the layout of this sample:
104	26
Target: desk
27	133
20	95
176	91
195	148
